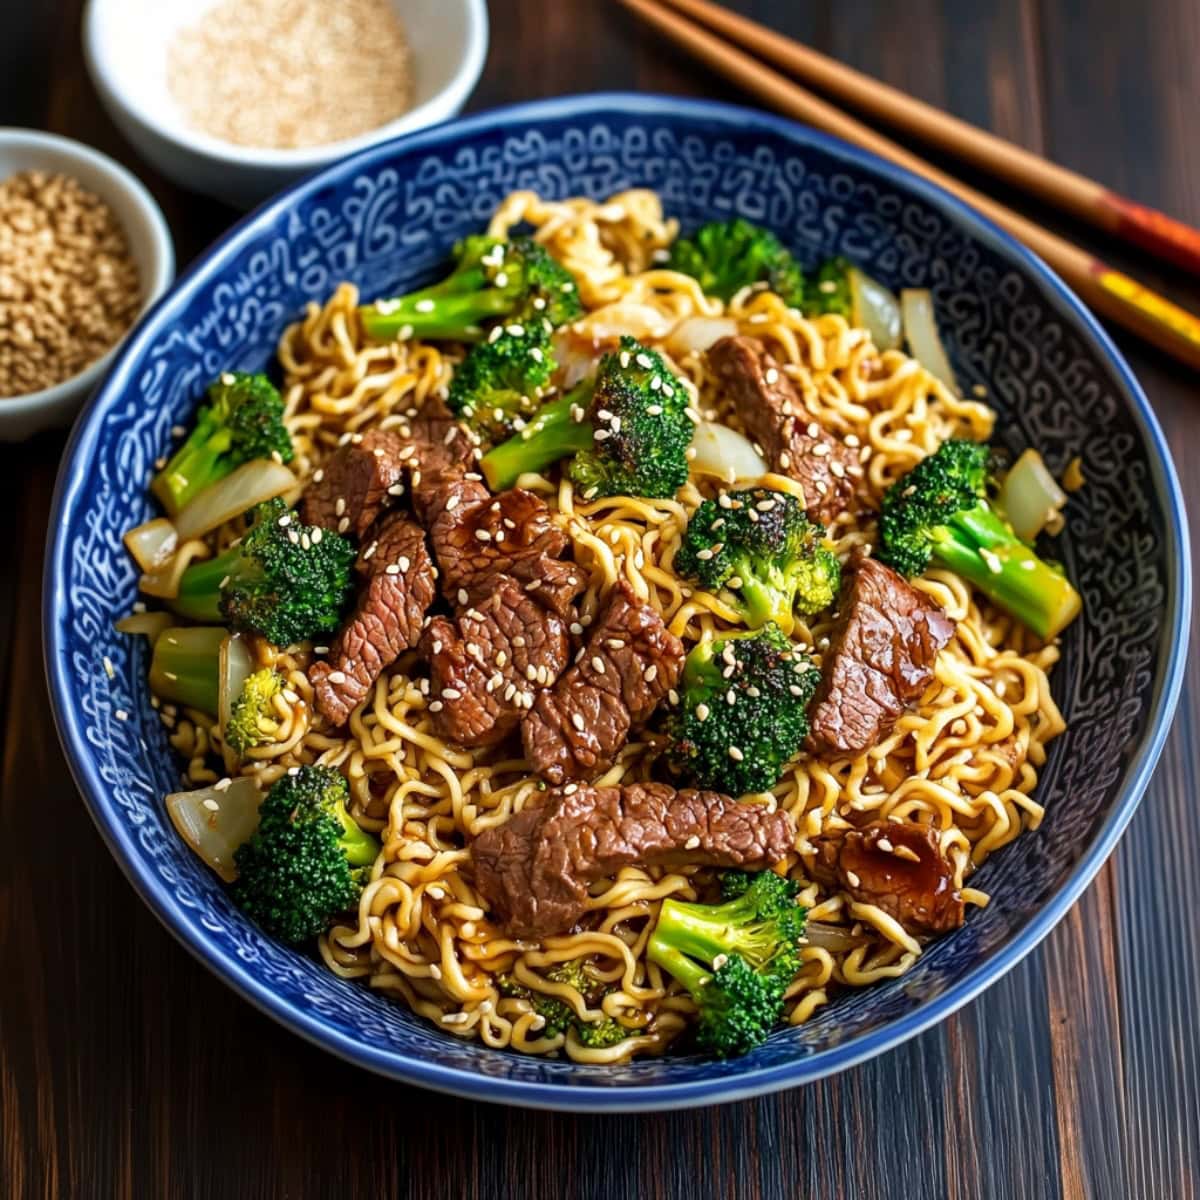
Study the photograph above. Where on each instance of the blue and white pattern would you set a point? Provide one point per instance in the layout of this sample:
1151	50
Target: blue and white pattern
385	219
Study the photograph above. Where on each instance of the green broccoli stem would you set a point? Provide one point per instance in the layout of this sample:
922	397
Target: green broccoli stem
199	462
552	434
765	596
185	667
360	847
676	963
981	548
696	930
432	313
199	597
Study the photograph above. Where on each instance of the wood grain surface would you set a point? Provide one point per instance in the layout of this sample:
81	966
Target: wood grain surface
126	1070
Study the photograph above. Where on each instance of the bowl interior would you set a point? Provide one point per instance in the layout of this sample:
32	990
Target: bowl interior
131	40
386	219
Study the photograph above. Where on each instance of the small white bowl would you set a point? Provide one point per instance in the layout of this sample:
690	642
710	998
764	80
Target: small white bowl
125	43
149	243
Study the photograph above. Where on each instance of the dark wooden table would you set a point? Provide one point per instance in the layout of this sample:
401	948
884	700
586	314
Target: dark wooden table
127	1070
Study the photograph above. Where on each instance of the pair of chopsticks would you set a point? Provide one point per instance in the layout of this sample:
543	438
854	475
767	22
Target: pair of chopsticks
1108	291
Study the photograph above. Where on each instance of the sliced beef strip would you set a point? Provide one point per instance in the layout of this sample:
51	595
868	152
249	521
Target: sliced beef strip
357	483
476	535
534	870
898	866
400	586
443	455
630	662
880	659
487	664
792	441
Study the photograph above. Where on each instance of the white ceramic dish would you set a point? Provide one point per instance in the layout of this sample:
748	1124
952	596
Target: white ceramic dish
125	44
149	242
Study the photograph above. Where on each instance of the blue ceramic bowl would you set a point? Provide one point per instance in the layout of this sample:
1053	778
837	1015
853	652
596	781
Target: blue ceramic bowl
385	218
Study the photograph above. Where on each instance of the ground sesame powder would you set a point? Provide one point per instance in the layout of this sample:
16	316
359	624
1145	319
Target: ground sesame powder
289	73
68	285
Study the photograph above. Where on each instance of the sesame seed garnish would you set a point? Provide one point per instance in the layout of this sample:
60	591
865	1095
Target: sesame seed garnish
519	641
435	706
852	879
731	697
702	711
108	667
597	664
211	804
337	676
650	673
222	784
737	756
838	470
814	430
392	569
121	715
692	843
654	410
451	693
673	696
578	721
771	375
624	358
483	535
719	961
820	450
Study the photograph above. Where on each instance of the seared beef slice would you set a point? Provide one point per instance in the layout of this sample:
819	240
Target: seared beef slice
791	439
630	662
356	484
391	609
880	659
487	664
534	871
897	866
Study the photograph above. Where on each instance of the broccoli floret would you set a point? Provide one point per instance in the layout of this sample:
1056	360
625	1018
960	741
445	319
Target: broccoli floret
501	380
632	439
283	580
743	714
308	859
185	666
559	1016
939	513
242	420
492	280
759	550
828	291
252	720
726	256
736	958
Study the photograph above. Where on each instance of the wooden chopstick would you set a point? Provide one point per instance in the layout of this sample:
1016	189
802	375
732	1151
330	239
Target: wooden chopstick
1106	290
1151	230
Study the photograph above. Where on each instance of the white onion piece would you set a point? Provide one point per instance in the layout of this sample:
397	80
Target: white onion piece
236	665
152	543
834	938
609	324
875	309
694	335
720	449
576	360
251	484
151	624
1031	497
921	332
215	822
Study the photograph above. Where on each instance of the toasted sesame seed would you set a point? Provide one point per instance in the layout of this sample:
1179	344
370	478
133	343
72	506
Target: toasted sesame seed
644	360
451	693
852	879
519	640
736	754
320	649
211	804
673	696
108	667
771	375
650	673
597	664
337	676
702	711
578	721
576	628
392	569
692	843
483	535
343	524
654	410
222	784
435	706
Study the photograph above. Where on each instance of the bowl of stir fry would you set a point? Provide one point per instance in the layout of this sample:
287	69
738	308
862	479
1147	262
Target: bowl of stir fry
616	603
